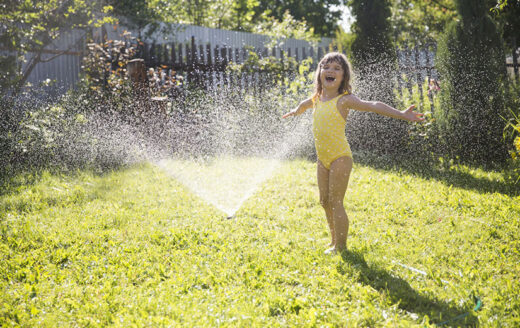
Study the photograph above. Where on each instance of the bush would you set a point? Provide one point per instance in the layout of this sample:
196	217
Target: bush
473	95
80	127
512	137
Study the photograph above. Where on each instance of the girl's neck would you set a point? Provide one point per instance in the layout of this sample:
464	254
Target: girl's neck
329	94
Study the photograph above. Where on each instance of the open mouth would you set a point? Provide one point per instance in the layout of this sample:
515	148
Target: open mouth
330	79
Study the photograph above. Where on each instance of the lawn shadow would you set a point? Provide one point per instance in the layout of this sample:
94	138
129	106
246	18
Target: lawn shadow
430	170
400	292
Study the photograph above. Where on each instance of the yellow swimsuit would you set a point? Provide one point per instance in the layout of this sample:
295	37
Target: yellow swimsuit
328	128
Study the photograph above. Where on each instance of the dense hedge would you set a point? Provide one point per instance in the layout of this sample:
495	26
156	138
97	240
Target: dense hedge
474	91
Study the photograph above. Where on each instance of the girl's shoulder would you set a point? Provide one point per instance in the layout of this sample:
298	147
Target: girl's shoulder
346	99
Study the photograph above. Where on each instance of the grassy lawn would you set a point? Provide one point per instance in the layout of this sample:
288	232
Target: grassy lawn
134	247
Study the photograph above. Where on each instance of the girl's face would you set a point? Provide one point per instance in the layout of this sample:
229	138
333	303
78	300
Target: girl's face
331	75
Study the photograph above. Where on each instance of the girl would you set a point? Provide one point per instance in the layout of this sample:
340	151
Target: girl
332	101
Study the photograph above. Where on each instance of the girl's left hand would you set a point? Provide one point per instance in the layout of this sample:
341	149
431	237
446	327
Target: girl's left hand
291	113
410	115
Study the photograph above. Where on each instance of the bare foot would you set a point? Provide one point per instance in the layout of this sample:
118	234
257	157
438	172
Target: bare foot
331	251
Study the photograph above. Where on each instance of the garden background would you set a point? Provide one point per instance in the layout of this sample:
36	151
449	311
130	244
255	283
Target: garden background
113	210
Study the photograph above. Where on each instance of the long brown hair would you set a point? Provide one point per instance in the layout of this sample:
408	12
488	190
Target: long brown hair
345	65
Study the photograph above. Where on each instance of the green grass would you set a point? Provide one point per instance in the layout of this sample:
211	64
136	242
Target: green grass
135	248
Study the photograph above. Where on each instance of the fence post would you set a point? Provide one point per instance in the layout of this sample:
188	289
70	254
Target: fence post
189	62
194	78
173	70
515	62
408	69
429	65
282	75
160	53
153	57
399	69
418	73
181	64
166	59
216	57
229	57
244	79
193	50
223	56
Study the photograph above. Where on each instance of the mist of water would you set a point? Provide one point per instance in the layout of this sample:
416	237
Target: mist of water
221	143
238	145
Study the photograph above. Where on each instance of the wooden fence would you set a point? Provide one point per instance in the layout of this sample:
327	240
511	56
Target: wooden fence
205	65
415	65
199	63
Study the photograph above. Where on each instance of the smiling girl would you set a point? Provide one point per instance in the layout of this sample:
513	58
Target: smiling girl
332	101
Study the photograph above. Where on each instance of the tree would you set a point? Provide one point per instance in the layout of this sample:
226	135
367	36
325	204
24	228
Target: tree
374	60
373	52
420	21
321	15
471	62
279	31
139	13
31	26
223	14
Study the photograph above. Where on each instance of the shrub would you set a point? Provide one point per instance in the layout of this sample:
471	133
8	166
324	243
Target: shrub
470	60
512	134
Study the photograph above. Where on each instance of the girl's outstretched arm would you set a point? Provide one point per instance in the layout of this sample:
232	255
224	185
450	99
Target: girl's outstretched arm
302	107
352	101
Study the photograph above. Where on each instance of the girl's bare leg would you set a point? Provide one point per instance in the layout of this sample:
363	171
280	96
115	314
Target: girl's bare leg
323	185
338	181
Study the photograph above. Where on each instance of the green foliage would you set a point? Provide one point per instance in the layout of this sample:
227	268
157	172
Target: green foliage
343	42
72	131
507	15
104	69
419	21
372	44
470	59
255	63
31	26
374	62
280	30
135	248
512	132
301	83
139	13
320	15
